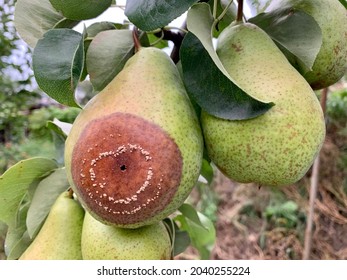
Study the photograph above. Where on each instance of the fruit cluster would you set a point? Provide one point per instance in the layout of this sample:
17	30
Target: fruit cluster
134	153
70	233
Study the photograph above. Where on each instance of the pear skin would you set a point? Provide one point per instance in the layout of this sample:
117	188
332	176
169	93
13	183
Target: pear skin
331	16
60	235
105	242
278	147
134	153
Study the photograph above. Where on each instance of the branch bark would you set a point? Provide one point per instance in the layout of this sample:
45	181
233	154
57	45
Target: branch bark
174	37
239	16
136	39
313	193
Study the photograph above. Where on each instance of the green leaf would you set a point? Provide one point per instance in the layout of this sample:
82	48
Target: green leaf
45	195
97	27
205	78
202	236
58	63
207	171
285	209
59	131
158	44
3	229
211	89
228	18
149	15
256	6
64	23
344	3
15	182
170	227
59	135
182	241
33	18
81	9
200	23
86	42
290	206
179	238
17	238
59	127
190	213
59	144
107	55
20	246
295	32
16	230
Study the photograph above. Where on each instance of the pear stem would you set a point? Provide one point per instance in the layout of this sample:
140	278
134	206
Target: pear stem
70	192
323	101
313	192
136	39
239	16
225	11
220	17
215	9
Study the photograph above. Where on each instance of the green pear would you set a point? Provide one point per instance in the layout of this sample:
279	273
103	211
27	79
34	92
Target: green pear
331	16
134	153
278	147
106	242
60	236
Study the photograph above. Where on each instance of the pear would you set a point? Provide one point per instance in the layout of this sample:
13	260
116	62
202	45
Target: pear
278	147
60	236
134	153
331	16
106	242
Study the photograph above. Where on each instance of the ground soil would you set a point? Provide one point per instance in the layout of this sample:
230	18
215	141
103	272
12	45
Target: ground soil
245	235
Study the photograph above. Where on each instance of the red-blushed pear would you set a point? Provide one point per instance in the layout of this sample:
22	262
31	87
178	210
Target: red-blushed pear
331	16
60	236
278	147
107	242
134	153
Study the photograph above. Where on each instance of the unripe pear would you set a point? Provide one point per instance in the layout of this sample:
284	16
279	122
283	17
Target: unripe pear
331	16
134	153
278	147
60	235
106	242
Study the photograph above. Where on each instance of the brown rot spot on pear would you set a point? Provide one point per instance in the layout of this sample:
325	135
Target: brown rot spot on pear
337	49
238	47
125	169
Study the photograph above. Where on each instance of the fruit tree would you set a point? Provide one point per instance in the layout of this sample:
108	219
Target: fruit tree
235	91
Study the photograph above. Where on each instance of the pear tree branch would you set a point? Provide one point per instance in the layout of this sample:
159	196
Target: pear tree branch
175	37
313	192
136	39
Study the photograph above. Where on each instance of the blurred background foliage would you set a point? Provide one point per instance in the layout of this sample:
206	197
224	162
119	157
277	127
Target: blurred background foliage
24	109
